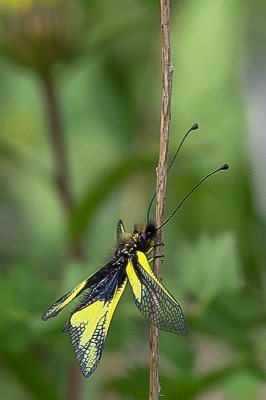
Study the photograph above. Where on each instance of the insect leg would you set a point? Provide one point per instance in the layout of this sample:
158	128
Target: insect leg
161	256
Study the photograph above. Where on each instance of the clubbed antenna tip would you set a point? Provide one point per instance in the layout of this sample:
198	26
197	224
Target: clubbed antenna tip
224	167
194	127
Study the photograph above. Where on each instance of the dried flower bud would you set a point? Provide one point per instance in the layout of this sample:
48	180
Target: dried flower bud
41	34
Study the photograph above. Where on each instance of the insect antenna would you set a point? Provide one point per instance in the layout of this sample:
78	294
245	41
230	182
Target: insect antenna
224	167
194	127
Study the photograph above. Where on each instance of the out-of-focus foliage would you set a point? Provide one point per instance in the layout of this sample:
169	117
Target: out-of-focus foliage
103	59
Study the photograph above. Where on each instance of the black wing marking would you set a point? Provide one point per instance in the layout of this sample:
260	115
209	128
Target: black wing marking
152	299
89	282
88	324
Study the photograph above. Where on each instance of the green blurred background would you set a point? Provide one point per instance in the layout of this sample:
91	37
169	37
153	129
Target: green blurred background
88	72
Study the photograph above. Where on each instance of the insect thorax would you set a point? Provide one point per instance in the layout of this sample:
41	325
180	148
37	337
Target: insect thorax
141	239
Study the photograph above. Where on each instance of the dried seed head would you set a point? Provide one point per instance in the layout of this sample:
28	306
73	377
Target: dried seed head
42	34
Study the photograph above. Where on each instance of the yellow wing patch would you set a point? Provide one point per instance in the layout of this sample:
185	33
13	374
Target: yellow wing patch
146	266
88	328
134	280
152	299
59	304
88	318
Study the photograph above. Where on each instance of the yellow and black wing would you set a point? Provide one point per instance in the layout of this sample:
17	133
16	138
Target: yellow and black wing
88	324
152	299
90	282
59	304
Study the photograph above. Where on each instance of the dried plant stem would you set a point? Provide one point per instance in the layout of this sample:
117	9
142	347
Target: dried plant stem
64	189
57	143
167	74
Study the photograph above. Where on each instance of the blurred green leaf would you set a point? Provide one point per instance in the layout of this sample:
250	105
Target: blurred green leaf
178	350
30	374
127	387
243	385
210	267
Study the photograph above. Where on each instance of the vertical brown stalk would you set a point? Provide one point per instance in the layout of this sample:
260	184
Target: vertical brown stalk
57	143
64	188
167	74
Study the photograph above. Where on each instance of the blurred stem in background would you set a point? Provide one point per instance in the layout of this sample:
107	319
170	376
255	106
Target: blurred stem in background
65	195
58	148
41	37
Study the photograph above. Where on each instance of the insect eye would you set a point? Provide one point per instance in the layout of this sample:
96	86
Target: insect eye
143	238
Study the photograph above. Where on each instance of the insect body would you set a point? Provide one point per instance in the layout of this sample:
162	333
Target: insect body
89	322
